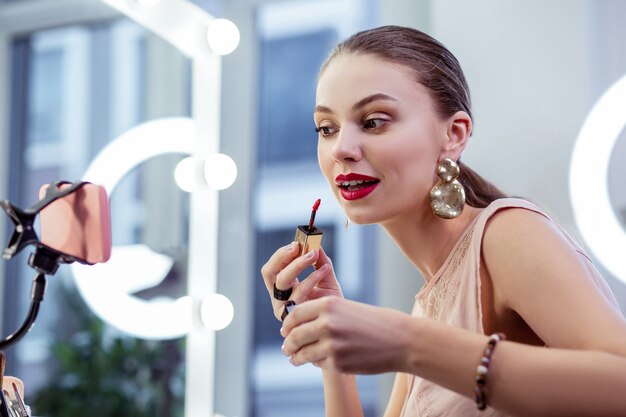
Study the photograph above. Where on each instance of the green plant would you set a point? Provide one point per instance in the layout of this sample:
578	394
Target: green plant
101	375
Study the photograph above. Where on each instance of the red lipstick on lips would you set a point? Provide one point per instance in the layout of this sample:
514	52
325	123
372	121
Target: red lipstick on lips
355	186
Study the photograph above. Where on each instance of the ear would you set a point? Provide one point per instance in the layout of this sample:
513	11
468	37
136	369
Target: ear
458	132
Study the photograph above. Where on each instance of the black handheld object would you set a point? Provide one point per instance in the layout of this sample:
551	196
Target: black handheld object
289	306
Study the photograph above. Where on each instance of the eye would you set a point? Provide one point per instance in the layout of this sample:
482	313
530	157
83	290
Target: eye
326	130
374	123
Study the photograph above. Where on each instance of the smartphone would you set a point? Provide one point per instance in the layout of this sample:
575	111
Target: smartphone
78	224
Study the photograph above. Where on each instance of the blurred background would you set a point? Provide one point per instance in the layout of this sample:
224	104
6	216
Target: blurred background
76	74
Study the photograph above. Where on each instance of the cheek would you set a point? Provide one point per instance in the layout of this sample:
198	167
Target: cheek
324	160
410	166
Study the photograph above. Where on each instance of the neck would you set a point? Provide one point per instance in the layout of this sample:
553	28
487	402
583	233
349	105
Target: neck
427	240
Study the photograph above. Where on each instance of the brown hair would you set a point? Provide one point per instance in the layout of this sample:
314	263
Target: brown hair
436	69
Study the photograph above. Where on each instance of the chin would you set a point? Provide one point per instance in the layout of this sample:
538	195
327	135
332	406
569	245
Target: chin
362	218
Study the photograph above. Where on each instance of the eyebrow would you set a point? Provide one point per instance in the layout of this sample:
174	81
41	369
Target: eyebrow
359	104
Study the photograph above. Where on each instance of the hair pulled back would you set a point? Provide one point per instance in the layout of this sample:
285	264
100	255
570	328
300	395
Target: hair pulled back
438	70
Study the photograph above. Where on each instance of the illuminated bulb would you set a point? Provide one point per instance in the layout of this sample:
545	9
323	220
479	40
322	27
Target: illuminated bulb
147	3
185	174
220	171
216	312
223	36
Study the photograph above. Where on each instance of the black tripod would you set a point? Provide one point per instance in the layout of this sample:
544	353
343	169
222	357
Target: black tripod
44	260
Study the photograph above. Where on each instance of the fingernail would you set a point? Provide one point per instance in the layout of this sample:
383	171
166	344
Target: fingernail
282	332
309	255
282	349
292	360
323	268
290	246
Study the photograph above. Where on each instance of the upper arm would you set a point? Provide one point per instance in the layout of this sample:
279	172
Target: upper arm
537	273
398	396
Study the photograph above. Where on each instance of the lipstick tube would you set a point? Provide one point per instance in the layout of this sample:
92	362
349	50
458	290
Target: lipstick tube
309	236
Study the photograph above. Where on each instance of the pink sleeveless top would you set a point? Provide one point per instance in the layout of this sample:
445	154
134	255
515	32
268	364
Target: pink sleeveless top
453	297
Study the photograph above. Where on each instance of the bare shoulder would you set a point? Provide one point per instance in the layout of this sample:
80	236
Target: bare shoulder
536	272
523	248
515	223
522	240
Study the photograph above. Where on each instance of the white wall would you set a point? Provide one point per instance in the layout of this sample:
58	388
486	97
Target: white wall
527	65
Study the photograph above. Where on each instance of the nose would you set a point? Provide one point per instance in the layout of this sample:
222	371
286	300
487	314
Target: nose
347	146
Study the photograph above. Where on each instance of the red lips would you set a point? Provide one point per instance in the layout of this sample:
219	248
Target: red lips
355	186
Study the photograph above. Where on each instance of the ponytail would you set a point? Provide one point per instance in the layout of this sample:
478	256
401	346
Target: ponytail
479	192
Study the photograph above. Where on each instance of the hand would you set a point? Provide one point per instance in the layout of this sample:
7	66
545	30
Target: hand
346	336
283	269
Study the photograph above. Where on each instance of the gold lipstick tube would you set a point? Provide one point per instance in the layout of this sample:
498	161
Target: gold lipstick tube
309	238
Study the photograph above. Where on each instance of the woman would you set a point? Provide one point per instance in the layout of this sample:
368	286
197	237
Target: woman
393	112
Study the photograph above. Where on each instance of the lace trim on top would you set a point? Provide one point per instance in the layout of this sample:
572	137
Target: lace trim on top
444	291
434	302
423	402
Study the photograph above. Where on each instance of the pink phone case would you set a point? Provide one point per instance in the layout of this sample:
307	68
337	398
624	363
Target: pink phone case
78	224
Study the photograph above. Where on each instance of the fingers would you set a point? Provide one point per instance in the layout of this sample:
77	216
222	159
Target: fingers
284	278
284	267
305	290
279	260
322	259
304	334
282	270
315	353
307	312
306	330
305	287
303	343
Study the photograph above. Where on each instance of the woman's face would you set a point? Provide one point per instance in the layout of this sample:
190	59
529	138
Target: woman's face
379	138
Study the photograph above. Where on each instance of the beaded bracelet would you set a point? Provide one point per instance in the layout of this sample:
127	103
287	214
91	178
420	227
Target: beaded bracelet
483	369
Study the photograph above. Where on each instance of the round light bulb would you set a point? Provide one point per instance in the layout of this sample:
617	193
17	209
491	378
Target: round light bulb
220	171
185	174
223	36
147	3
216	312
